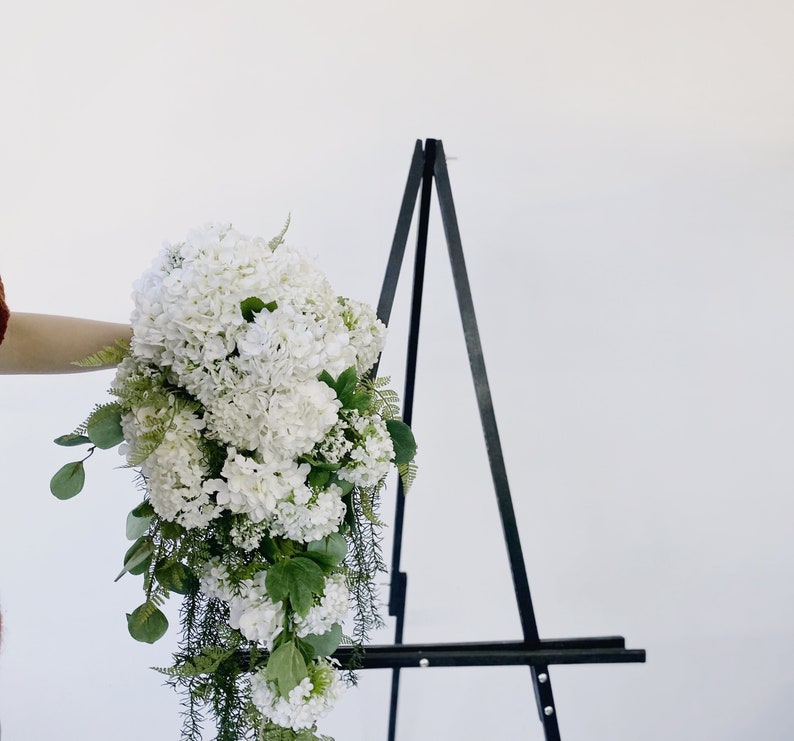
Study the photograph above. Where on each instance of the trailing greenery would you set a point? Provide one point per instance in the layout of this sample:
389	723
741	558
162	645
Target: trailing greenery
213	661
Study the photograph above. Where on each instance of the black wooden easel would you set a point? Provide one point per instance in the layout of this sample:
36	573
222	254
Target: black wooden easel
429	164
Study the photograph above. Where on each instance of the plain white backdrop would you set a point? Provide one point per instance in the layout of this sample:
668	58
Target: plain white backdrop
624	178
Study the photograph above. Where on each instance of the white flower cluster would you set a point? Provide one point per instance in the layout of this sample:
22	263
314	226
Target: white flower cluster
232	335
257	379
255	375
259	619
332	608
308	701
175	469
251	611
371	457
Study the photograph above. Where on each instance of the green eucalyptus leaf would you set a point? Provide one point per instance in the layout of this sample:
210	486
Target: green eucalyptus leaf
70	440
137	553
137	526
176	577
403	440
147	623
144	509
141	568
327	643
286	667
333	546
104	426
306	650
68	480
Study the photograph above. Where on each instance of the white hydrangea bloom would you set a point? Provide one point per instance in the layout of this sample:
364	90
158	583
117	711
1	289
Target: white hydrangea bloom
332	608
255	488
371	457
299	418
251	611
254	614
307	516
214	582
306	703
367	333
174	470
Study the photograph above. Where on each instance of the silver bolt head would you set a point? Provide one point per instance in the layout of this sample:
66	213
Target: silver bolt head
424	663
548	710
543	678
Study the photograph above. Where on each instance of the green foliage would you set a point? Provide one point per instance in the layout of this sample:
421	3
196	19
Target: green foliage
279	238
107	356
347	389
328	552
72	439
271	732
407	473
147	623
68	480
209	670
385	401
204	663
137	555
152	390
296	580
103	427
253	305
287	667
175	577
367	497
364	562
136	525
144	509
403	440
325	644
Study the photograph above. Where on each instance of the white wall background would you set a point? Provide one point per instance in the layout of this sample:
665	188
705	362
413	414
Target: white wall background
624	177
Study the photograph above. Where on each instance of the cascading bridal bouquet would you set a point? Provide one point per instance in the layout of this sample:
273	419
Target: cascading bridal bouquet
261	442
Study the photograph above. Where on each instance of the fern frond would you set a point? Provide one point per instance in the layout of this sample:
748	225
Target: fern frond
385	401
146	444
206	662
109	355
279	238
367	507
407	473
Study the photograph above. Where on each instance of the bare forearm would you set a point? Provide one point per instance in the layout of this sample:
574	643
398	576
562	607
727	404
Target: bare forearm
41	343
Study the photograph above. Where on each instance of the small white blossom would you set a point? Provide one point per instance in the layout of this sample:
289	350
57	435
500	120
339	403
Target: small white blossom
306	703
332	608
